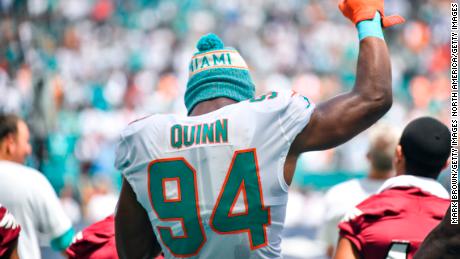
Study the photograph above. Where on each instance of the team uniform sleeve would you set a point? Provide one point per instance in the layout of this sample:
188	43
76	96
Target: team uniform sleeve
125	154
124	158
295	115
277	117
96	241
129	161
51	218
351	228
122	154
9	231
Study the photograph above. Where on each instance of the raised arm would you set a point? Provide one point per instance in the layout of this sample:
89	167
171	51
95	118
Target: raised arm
339	119
133	232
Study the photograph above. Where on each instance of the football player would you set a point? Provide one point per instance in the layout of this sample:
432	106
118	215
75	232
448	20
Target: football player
95	242
214	184
393	223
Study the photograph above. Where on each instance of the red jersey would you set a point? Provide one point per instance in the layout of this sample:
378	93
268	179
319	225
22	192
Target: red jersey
394	222
9	231
96	242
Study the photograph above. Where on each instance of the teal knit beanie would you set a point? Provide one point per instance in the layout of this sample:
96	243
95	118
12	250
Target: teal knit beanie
217	71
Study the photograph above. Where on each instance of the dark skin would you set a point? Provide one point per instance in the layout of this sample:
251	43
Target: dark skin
346	250
133	232
442	243
333	122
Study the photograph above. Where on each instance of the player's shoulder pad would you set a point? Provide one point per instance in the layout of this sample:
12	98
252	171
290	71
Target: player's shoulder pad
351	215
139	124
379	205
96	233
278	100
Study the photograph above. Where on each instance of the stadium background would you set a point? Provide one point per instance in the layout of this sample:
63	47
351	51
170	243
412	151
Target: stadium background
80	70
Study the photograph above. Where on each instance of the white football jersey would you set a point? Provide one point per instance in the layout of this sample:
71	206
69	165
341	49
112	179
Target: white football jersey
213	185
30	198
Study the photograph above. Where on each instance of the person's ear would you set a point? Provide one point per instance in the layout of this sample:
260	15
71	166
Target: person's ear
399	161
446	164
10	144
398	153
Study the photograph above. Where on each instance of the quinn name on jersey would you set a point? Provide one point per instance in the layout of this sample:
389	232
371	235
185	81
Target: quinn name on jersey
213	185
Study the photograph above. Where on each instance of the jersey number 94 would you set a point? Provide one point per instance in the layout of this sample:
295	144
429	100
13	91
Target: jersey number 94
242	177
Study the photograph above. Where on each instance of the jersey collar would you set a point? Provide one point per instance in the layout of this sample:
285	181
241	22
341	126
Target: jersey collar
425	184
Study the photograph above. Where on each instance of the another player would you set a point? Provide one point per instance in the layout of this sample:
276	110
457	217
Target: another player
345	196
27	193
214	184
393	223
9	234
95	242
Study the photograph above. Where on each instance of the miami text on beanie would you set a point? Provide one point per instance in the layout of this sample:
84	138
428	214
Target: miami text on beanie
426	141
217	71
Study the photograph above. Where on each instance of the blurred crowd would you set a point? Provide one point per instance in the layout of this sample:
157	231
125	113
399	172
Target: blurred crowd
80	70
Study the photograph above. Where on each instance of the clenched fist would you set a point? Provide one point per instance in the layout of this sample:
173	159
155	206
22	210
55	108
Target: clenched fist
361	10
